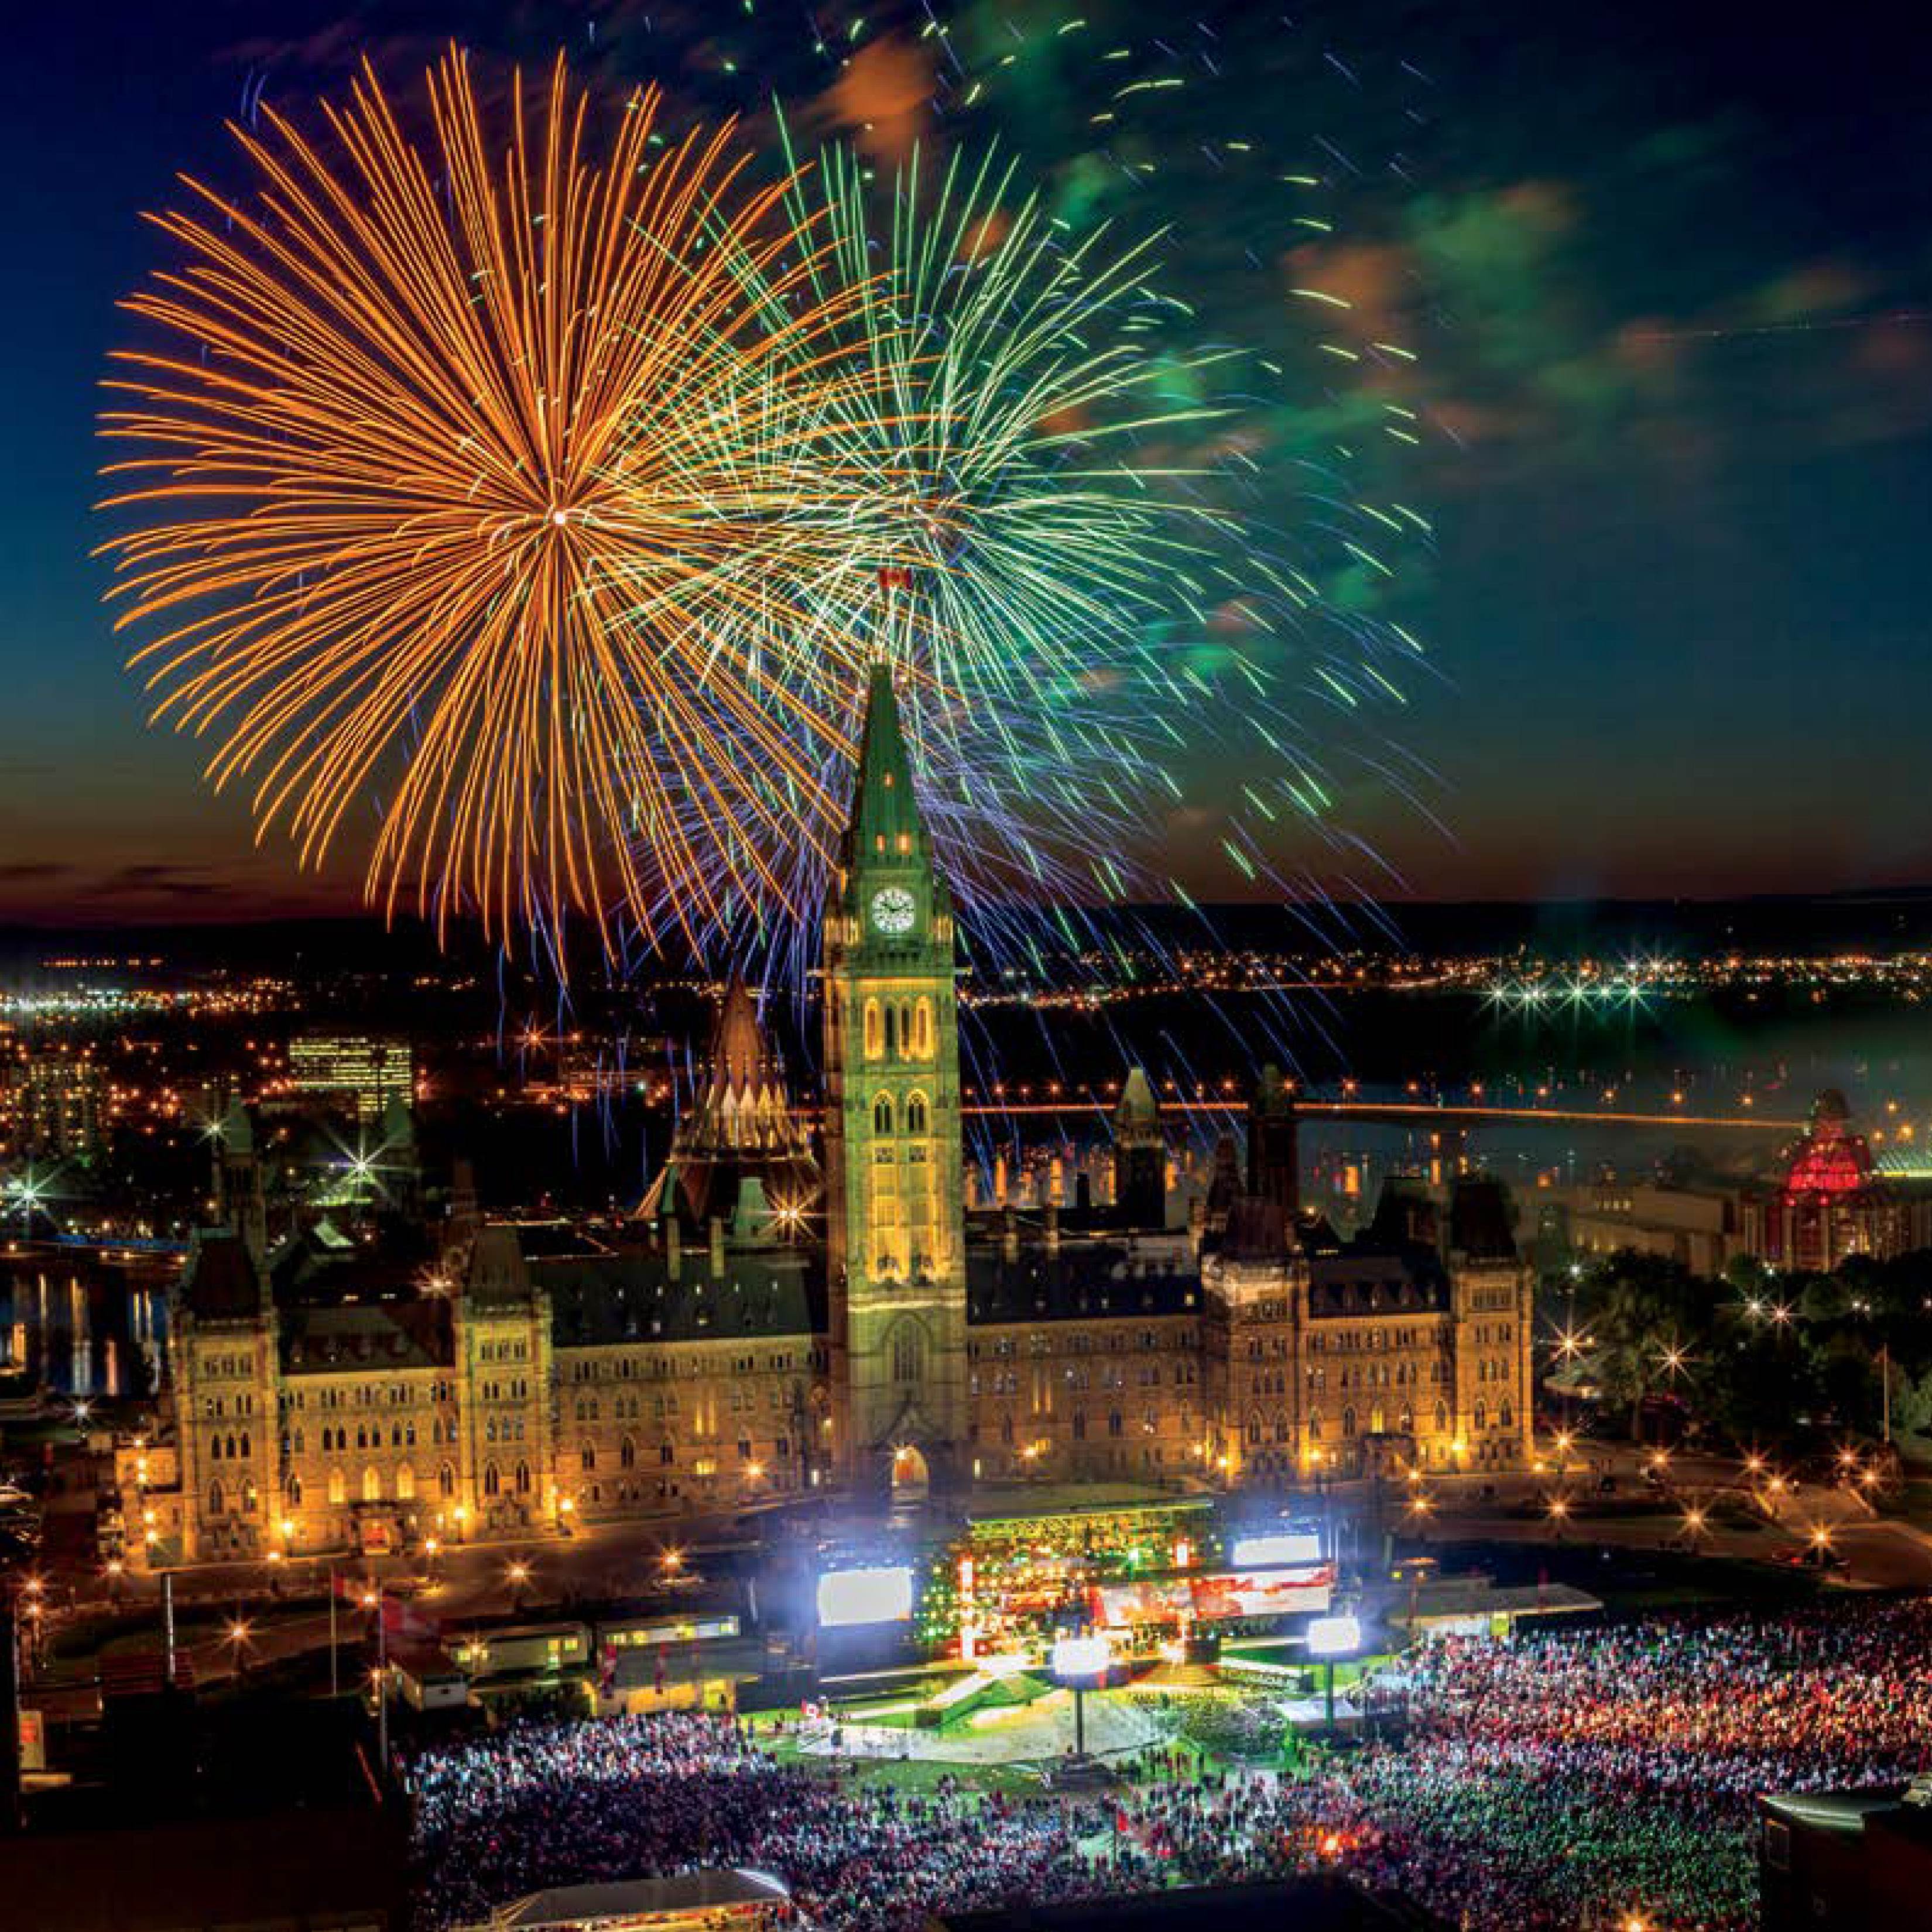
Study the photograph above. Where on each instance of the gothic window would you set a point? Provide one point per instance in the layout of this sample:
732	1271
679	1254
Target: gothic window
874	1033
882	1115
493	1483
215	1499
1113	1422
372	1484
892	1029
587	1456
406	1484
627	1454
908	1353
1482	1413
294	1492
522	1479
1347	1423
916	1115
338	1489
445	1481
1504	1417
922	1031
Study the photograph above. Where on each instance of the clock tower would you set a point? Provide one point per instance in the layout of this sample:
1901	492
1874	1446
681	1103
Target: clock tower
894	1172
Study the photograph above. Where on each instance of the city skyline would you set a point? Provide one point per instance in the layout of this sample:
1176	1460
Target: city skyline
1674	338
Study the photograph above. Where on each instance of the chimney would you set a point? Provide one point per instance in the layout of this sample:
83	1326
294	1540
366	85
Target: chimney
717	1247
1009	1236
673	1247
1052	1229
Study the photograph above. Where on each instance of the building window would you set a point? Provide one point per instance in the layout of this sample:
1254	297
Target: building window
916	1115
445	1481
882	1115
406	1484
874	1030
338	1489
216	1501
908	1353
493	1483
372	1485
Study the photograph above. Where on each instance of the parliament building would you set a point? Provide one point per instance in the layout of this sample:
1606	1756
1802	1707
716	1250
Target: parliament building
791	1313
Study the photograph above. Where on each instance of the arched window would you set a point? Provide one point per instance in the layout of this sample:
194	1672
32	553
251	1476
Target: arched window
1482	1413
1314	1426
1442	1417
908	1353
1080	1425
627	1454
923	1031
1255	1430
1505	1417
372	1484
916	1115
445	1480
522	1479
587	1455
891	1029
406	1484
1113	1422
1347	1423
216	1501
338	1489
294	1492
882	1115
493	1483
874	1032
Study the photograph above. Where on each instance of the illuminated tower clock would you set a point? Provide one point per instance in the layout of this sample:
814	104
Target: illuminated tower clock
894	1176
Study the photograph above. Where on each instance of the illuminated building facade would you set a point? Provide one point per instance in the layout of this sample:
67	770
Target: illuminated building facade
1833	1200
765	1325
360	1074
58	1103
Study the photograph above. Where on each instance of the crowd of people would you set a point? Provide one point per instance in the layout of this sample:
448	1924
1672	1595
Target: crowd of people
1536	1783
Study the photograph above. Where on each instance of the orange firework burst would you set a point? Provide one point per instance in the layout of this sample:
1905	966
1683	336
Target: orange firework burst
466	457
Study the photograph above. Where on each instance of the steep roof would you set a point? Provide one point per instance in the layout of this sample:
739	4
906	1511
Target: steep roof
1085	1280
222	1283
885	806
630	1294
414	1334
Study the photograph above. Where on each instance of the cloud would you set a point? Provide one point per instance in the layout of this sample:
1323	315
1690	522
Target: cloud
883	98
152	880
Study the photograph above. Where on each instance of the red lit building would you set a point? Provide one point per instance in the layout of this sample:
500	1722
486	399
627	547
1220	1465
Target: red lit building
1832	1202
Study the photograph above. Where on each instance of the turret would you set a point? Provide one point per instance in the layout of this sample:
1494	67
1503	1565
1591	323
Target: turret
1274	1167
1140	1156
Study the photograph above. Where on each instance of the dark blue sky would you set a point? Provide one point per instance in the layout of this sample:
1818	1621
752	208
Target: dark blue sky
1672	265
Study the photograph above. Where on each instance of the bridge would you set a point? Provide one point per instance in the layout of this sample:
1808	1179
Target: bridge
1457	1114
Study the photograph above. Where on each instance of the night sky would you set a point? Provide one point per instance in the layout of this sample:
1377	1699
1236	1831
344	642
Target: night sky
1668	269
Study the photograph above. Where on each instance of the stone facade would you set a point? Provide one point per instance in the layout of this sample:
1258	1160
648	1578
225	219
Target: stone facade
328	1393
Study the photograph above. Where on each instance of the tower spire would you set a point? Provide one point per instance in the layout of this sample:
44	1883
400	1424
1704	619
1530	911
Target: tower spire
885	821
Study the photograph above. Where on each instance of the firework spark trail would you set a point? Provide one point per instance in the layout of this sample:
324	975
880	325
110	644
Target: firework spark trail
473	464
1009	538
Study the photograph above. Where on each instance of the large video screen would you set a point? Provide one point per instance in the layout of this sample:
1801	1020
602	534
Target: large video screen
1274	1549
865	1596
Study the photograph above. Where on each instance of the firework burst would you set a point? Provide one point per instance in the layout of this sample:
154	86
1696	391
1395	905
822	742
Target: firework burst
462	468
1004	519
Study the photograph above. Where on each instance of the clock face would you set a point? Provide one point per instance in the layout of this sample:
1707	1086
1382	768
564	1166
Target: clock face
893	910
